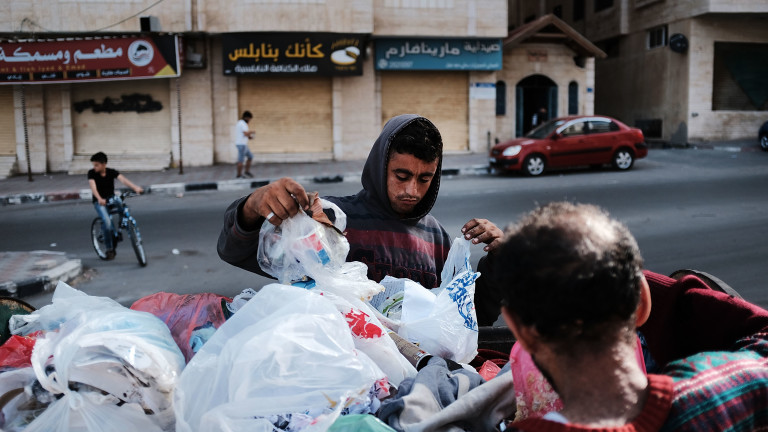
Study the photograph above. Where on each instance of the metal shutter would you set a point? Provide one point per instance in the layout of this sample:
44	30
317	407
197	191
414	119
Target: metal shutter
290	114
127	133
442	97
7	122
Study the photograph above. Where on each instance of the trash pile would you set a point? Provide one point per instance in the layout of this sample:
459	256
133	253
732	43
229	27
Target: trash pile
325	348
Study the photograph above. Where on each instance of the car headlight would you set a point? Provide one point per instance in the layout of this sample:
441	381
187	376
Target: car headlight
512	150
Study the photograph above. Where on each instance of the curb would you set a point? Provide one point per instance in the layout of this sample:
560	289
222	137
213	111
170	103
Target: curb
222	185
43	282
732	149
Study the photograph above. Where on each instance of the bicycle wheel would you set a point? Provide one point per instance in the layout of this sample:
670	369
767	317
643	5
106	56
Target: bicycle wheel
97	239
133	230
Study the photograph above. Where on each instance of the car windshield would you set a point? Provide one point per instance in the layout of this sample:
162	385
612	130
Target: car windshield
545	129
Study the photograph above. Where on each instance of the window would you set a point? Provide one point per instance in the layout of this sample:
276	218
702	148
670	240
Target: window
573	98
738	78
501	98
577	128
603	4
578	10
657	37
602	126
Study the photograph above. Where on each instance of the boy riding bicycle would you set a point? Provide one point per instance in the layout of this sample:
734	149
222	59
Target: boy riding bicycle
102	182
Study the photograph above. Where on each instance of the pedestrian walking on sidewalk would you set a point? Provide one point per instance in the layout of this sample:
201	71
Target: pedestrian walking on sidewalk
242	135
102	182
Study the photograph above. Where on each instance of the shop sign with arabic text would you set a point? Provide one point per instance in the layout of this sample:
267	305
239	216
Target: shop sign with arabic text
93	59
328	54
438	54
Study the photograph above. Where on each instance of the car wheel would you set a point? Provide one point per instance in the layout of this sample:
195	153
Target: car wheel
764	142
534	165
623	159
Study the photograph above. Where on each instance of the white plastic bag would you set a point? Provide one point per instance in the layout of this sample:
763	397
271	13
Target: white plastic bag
96	346
288	350
444	324
371	337
300	245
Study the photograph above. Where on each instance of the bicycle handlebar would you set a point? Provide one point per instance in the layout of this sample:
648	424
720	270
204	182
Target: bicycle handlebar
127	194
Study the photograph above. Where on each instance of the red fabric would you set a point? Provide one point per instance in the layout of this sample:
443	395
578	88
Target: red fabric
688	317
183	313
483	355
650	419
16	352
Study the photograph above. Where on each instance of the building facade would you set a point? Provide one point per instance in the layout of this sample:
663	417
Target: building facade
321	77
683	71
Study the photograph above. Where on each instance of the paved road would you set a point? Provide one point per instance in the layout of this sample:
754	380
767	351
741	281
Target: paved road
700	209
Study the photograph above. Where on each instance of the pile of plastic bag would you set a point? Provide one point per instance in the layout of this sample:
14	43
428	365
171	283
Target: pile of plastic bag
95	366
299	355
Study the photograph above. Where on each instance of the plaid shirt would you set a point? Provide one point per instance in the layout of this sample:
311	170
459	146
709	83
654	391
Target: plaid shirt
719	391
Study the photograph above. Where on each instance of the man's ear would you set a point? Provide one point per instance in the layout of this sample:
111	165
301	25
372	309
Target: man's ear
644	306
526	335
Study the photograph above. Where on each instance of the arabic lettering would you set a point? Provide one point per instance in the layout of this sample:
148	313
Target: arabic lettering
99	53
278	68
306	49
103	53
115	73
439	50
135	102
478	46
265	50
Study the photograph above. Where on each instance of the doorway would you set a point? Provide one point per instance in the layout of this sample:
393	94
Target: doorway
536	102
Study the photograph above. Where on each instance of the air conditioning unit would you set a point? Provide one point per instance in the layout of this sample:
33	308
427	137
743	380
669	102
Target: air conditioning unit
149	24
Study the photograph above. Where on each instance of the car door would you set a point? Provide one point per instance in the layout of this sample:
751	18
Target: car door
604	137
570	146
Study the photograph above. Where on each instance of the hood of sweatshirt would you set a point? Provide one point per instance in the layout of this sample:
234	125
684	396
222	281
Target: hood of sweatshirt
374	176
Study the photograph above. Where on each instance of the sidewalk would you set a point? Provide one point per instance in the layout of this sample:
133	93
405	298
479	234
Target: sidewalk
61	187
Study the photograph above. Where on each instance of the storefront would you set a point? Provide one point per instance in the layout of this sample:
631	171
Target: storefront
286	81
431	77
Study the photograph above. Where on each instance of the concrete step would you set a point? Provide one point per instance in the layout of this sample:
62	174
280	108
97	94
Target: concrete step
123	162
7	166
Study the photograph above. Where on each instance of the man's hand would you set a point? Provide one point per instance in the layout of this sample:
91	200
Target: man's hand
483	230
275	202
139	190
101	201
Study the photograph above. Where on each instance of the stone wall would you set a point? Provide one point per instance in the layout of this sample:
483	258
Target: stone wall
704	123
558	66
455	18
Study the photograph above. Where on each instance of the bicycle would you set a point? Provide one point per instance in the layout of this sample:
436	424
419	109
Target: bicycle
121	221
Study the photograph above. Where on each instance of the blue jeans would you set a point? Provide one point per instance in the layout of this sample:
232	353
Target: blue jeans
107	227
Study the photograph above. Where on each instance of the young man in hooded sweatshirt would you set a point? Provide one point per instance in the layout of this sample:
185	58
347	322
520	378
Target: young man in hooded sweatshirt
389	227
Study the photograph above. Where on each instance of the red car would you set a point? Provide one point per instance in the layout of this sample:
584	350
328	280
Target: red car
571	141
